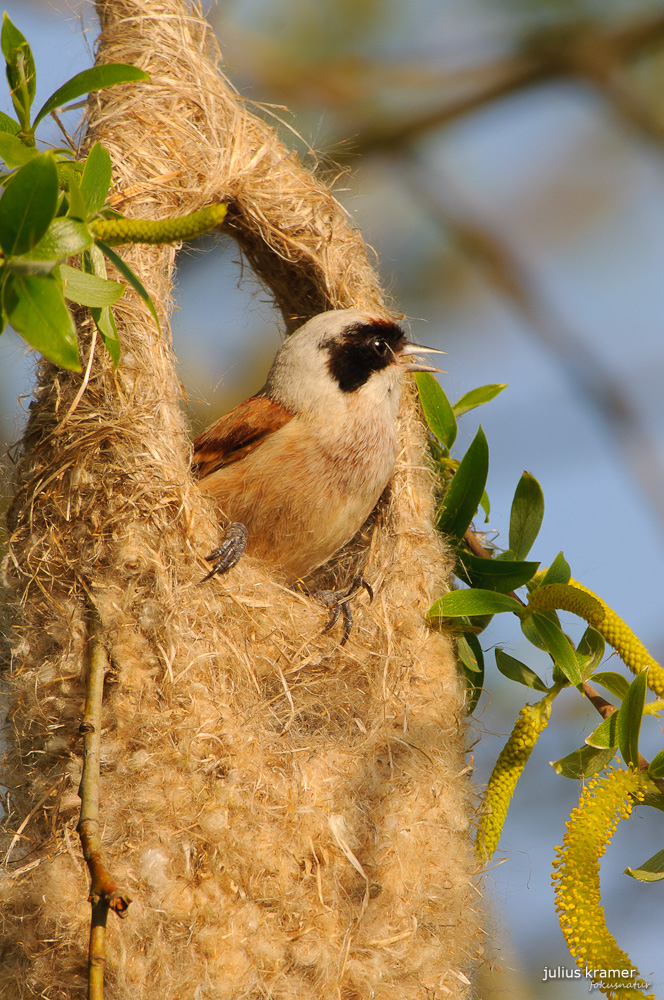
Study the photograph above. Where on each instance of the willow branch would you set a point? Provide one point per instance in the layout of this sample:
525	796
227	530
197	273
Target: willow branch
105	894
606	709
472	540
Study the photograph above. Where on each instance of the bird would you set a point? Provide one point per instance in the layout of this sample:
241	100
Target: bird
298	467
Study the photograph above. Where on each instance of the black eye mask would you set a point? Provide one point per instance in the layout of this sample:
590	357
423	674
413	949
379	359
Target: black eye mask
362	350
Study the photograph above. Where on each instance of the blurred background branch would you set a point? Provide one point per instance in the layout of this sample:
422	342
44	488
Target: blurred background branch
589	50
509	275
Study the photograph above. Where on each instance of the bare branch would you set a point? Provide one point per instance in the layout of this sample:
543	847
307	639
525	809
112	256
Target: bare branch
104	892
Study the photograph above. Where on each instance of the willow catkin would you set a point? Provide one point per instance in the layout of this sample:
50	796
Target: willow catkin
605	800
531	722
116	232
581	601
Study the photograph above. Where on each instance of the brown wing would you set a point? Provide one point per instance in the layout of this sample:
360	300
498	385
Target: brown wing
237	433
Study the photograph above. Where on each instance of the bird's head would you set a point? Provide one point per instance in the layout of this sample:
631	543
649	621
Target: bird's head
343	358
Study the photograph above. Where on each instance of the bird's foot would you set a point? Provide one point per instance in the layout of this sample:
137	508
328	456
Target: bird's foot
338	603
229	552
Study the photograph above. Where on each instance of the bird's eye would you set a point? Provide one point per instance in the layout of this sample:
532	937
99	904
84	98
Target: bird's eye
381	347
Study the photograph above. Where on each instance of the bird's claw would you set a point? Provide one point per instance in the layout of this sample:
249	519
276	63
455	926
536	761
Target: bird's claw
228	554
338	603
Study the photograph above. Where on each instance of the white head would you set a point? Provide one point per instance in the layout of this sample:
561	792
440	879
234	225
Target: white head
340	358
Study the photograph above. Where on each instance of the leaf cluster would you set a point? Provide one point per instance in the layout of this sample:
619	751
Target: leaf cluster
489	578
48	203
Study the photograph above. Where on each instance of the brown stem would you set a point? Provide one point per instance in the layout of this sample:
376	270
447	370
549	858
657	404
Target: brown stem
472	541
104	891
606	709
97	950
474	544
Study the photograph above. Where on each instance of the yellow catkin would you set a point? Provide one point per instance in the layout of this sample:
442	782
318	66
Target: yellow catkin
531	721
583	602
603	803
118	231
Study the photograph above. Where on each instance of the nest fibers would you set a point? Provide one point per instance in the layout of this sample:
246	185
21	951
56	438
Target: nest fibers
289	816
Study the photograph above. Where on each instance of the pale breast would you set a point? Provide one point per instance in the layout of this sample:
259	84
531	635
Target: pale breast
303	495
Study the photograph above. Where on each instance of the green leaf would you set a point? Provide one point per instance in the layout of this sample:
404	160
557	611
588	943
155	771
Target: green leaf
584	762
96	179
14	152
36	309
87	289
64	238
109	332
132	278
97	78
477	397
30	265
651	870
557	645
526	516
77	209
494	574
510	667
606	734
531	633
67	166
472	602
465	489
20	70
28	205
472	659
629	719
558	571
10	38
656	766
590	651
8	124
617	684
469	659
436	408
485	505
93	262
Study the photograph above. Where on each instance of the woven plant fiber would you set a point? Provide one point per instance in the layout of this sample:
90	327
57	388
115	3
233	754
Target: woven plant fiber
289	816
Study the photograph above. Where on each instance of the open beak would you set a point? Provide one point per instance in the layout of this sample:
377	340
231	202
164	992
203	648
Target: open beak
413	366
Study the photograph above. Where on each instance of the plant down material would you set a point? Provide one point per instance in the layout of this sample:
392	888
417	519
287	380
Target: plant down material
290	819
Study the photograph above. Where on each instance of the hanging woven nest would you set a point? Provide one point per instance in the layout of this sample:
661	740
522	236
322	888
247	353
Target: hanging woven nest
289	816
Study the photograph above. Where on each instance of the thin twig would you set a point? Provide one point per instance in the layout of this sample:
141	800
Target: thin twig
17	835
471	538
474	544
104	892
97	949
606	710
604	707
